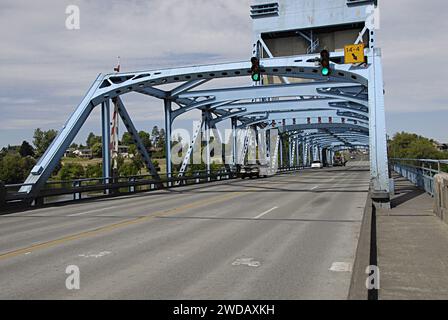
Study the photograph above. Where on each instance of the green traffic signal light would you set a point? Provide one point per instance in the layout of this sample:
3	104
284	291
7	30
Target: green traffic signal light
256	77
255	70
325	62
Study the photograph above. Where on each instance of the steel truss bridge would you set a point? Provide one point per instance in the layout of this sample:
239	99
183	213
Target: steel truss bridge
316	113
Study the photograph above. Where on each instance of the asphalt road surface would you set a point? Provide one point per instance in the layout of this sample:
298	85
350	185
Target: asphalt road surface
291	236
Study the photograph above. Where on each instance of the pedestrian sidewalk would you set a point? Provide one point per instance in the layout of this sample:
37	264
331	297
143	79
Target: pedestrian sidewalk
412	245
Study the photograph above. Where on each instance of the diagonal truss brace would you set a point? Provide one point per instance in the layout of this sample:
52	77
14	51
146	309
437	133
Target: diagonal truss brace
131	129
196	134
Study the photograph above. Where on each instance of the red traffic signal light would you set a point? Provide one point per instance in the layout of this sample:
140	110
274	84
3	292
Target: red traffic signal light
255	70
325	62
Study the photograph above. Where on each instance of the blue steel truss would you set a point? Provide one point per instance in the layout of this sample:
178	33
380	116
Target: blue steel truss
340	111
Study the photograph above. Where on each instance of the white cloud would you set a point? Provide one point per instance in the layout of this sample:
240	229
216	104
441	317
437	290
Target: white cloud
46	69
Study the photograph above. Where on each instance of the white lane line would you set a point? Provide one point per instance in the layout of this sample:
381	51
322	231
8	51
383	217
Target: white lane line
314	188
91	211
341	267
266	212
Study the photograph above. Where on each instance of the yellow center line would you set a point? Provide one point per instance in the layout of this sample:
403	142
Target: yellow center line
122	224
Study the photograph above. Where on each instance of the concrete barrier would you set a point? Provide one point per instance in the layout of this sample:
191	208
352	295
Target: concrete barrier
441	196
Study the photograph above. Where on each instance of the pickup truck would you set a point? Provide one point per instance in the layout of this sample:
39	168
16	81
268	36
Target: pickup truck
255	170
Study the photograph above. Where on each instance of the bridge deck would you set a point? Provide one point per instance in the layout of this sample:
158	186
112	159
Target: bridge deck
260	239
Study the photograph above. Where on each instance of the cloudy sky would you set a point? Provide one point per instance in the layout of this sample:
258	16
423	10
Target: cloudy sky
46	69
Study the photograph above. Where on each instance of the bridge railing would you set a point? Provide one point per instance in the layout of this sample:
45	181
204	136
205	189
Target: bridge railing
60	191
57	191
421	172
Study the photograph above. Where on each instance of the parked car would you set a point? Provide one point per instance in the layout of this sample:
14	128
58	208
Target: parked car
317	165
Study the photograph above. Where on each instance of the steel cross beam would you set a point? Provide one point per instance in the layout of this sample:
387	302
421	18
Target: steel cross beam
311	89
312	126
296	104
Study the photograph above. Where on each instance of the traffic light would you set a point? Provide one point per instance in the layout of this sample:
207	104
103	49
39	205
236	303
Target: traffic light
255	70
325	62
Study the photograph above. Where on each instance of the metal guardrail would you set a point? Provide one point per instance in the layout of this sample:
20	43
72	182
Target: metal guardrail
421	172
98	187
59	191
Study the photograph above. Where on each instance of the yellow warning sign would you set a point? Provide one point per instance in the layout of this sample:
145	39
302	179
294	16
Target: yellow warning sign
354	53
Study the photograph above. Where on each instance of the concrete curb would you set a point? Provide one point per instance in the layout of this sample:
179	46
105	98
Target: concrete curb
365	255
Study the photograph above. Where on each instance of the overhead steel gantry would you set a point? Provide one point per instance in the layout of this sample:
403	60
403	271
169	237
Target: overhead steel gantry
343	110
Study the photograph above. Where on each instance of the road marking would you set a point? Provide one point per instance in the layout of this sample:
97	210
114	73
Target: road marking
111	227
95	255
91	211
250	262
341	267
266	212
314	188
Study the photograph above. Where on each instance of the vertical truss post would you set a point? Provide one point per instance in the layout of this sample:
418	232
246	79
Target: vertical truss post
297	151
234	142
257	145
290	152
311	151
377	126
281	151
205	119
304	152
105	121
274	154
168	126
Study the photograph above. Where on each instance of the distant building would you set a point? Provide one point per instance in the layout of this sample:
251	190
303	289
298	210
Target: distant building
441	146
124	151
69	152
84	153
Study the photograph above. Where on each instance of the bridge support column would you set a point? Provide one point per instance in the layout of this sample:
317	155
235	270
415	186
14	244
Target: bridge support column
377	126
168	125
105	121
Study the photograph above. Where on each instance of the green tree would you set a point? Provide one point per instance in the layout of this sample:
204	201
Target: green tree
144	136
26	150
155	132
97	150
127	169
146	139
94	170
137	160
14	168
126	139
71	171
42	140
92	139
413	146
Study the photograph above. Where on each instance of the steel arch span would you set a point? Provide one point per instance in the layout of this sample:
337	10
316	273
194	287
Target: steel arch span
344	109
